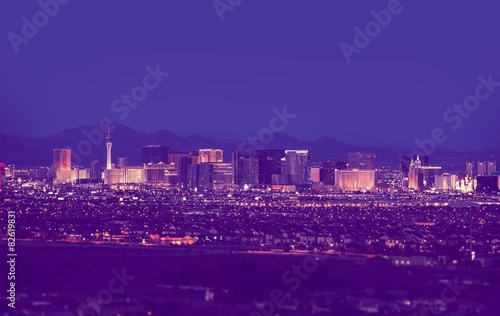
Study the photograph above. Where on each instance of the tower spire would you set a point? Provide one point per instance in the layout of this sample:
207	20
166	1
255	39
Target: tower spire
108	137
108	149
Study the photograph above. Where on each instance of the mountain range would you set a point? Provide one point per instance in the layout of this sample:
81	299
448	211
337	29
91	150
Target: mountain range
31	151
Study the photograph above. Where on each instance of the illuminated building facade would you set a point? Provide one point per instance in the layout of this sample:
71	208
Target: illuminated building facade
113	176
78	173
315	174
469	169
481	168
422	177
491	168
211	155
134	174
405	162
446	182
165	173
223	175
62	165
297	167
355	180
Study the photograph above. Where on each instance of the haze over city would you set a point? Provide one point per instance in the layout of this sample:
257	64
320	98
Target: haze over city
227	76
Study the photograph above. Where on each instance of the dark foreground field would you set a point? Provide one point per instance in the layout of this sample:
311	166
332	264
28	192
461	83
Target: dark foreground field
72	279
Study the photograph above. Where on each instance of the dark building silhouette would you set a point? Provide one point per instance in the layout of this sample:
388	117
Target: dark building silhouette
95	170
327	173
182	169
361	161
487	184
405	164
270	166
155	154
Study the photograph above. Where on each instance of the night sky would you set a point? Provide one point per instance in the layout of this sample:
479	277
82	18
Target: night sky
225	77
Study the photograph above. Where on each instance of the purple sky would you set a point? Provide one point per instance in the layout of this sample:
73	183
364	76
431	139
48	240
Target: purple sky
227	76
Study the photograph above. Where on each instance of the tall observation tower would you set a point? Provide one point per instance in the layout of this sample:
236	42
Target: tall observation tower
108	149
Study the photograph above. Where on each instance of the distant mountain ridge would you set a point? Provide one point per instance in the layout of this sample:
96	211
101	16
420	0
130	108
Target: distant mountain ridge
128	143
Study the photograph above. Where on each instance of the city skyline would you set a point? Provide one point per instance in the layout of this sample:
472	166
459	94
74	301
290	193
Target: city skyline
282	169
250	158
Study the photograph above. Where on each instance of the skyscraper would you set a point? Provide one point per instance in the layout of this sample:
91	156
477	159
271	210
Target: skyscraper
245	167
108	149
201	176
415	175
175	156
405	164
422	177
361	161
182	170
328	172
155	154
62	165
297	167
270	165
492	168
481	168
469	169
327	175
424	159
222	175
95	170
